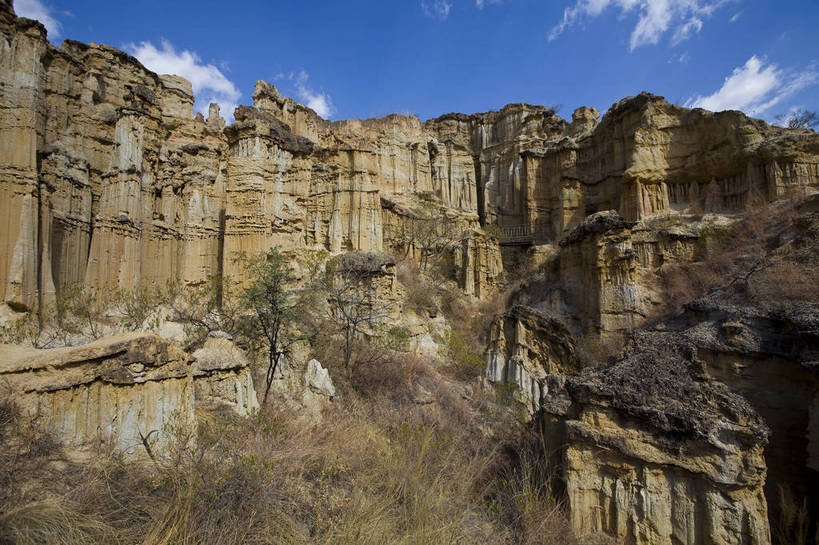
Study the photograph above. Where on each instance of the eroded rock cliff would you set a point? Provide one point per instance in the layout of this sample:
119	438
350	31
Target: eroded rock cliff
110	181
124	391
655	453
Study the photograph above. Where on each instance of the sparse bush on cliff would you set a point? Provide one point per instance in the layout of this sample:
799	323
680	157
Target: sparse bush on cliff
769	254
799	119
27	329
76	314
199	308
420	294
354	307
465	362
137	306
430	235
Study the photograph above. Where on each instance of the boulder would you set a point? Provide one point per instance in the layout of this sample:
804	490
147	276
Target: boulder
318	389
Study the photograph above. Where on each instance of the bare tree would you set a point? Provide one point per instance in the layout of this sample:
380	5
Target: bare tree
801	119
432	233
353	301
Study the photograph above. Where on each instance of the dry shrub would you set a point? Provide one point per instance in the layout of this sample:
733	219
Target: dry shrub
52	522
381	373
470	321
792	525
368	475
26	458
464	361
786	281
408	273
422	300
384	470
522	494
748	251
595	351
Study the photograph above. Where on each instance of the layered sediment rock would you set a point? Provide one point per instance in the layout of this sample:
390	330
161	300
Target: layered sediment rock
123	390
222	377
769	355
526	346
593	285
653	452
753	339
110	181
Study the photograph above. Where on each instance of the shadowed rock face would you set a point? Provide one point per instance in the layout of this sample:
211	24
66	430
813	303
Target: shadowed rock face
768	354
525	347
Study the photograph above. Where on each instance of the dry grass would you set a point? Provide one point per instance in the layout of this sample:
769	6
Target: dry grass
405	455
381	468
793	521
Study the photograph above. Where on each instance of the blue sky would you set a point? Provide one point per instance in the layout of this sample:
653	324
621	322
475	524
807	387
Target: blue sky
368	58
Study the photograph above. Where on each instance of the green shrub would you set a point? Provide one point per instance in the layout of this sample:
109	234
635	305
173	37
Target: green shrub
464	364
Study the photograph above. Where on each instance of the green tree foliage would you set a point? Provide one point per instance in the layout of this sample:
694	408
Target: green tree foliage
268	300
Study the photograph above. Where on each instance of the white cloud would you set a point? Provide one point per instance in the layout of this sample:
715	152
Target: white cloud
655	17
206	79
734	18
436	8
756	87
684	32
319	102
482	3
684	58
35	9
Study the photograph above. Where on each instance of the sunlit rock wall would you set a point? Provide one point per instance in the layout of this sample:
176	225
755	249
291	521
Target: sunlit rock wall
107	179
124	391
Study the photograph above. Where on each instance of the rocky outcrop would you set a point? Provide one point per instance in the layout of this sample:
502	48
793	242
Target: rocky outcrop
592	285
598	274
653	452
366	282
647	156
751	343
318	390
119	389
768	354
124	391
525	346
222	377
